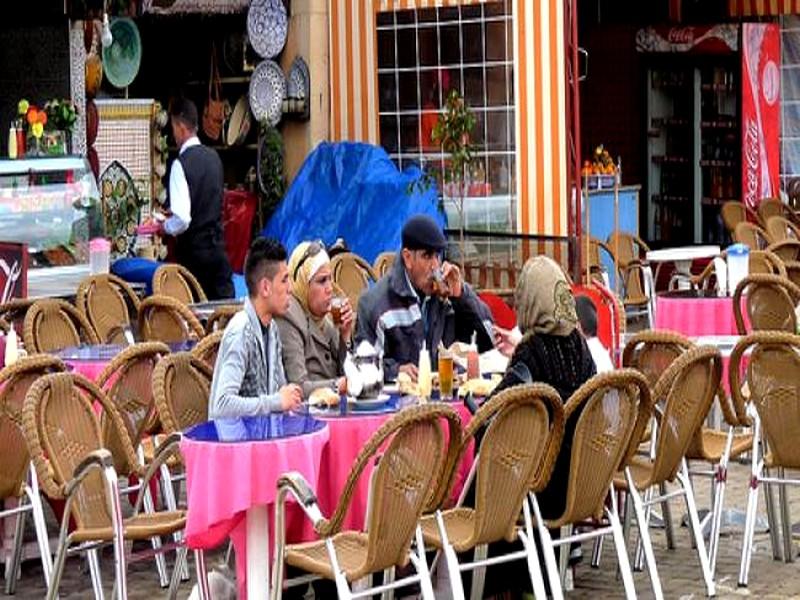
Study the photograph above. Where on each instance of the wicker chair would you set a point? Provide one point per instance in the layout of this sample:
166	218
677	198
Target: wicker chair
614	410
629	251
786	249
176	281
769	208
734	213
760	261
181	385
688	387
771	302
793	271
164	319
383	263
52	325
65	443
597	271
17	476
220	317
780	228
751	235
105	300
352	274
404	481
773	382
207	349
525	428
12	313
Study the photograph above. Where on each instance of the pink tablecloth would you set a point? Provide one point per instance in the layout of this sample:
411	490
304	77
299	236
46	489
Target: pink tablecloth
90	369
696	316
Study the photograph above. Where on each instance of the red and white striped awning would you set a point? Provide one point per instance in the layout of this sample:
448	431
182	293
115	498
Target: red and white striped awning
762	8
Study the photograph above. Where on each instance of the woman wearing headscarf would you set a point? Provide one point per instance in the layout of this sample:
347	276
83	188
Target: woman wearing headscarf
313	347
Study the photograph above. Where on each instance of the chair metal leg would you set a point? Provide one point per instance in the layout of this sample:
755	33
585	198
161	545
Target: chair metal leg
418	558
169	499
772	518
531	554
58	567
563	556
12	571
202	574
622	550
40	525
556	591
638	561
691	507
92	557
342	588
450	560
786	519
174	582
479	573
161	563
597	552
388	577
720	476
644	534
749	529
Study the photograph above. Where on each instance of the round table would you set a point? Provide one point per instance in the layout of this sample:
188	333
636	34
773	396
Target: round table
682	256
694	313
90	360
232	469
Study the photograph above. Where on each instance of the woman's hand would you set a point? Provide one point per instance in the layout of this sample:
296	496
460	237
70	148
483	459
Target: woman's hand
506	340
348	320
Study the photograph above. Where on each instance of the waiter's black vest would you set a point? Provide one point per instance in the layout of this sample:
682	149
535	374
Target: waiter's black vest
203	170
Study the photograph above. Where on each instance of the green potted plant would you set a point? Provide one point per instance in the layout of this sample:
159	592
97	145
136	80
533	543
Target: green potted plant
452	132
271	180
61	117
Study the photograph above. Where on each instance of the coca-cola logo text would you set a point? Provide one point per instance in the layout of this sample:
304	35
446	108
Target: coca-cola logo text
751	157
681	35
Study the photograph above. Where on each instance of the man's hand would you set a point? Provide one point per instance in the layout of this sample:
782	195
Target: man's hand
506	340
291	397
452	277
348	320
341	385
410	370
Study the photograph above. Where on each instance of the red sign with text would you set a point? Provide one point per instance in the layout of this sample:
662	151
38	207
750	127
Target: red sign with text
761	118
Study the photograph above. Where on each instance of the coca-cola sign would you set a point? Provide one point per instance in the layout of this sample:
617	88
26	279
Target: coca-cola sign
717	39
681	35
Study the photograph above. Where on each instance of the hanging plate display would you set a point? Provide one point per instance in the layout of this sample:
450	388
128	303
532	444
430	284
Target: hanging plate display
298	86
267	91
121	60
267	27
120	202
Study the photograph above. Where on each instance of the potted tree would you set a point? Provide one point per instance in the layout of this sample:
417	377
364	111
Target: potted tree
452	132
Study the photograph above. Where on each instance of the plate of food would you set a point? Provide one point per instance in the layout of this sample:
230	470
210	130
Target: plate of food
323	398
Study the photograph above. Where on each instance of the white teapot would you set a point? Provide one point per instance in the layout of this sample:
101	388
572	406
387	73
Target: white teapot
364	371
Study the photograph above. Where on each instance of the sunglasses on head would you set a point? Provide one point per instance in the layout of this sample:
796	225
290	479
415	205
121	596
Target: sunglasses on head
313	249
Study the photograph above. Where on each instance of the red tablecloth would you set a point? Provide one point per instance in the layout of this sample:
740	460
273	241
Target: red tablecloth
696	316
90	369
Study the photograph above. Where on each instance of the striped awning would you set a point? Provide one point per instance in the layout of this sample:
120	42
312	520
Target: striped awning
539	87
762	8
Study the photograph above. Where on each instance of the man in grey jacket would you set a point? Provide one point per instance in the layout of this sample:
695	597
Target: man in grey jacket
248	376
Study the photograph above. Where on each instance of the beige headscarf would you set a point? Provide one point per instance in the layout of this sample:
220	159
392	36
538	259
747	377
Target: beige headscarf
305	273
544	301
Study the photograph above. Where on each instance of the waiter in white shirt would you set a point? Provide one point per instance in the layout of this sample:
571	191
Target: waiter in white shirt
195	195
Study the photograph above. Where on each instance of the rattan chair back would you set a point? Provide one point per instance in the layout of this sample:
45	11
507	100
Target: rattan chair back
352	274
733	213
106	300
792	268
220	317
766	262
688	387
770	303
164	319
383	264
773	379
52	325
769	208
780	228
176	281
652	352
128	382
15	380
752	236
61	429
12	313
614	410
786	250
629	249
207	349
181	386
517	455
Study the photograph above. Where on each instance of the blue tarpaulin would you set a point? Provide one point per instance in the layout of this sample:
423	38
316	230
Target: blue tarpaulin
353	191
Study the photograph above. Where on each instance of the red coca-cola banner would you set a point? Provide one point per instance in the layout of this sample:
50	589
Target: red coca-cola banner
712	39
761	86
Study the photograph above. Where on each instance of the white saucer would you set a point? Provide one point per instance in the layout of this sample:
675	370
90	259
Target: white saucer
369	402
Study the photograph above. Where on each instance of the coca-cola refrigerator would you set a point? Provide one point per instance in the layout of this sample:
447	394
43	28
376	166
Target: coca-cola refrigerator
713	125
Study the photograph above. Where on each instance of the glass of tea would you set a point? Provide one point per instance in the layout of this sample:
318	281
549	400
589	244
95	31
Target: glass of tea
336	309
445	375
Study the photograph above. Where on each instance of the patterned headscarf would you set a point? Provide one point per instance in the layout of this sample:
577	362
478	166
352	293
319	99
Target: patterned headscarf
544	301
309	263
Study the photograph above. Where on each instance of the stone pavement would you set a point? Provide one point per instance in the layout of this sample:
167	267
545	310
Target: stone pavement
679	569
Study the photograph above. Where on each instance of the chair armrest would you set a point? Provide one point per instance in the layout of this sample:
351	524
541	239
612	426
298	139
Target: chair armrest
295	484
166	449
97	459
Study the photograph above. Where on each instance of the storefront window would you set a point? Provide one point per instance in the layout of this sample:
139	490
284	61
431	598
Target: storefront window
790	102
425	53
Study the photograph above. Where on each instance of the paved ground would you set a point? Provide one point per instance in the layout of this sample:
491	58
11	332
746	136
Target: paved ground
680	571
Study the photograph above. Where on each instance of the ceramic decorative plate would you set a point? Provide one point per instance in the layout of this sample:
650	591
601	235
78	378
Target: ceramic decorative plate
267	91
298	85
267	27
121	60
120	202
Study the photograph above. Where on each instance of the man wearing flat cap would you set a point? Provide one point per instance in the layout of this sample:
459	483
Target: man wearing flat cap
421	298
